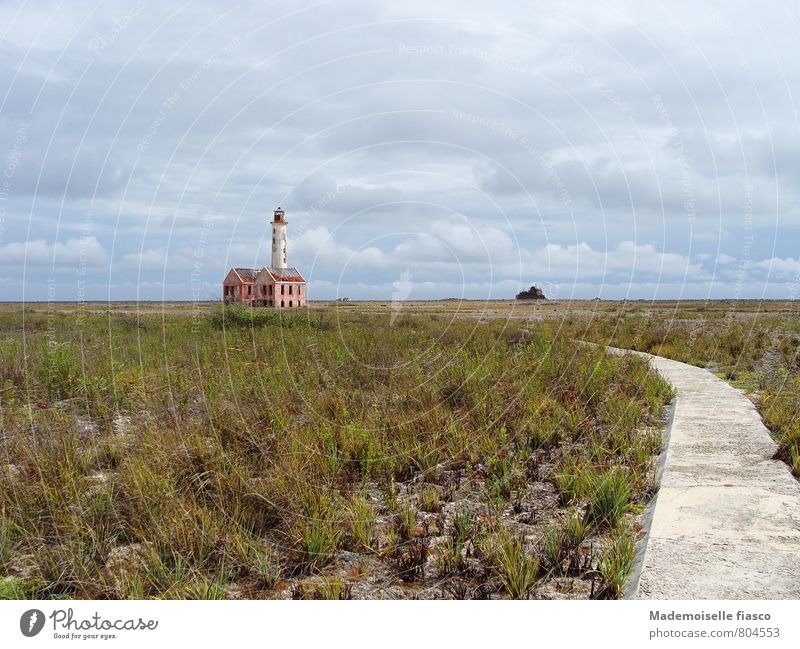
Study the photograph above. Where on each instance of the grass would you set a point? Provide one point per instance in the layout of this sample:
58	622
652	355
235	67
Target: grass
429	500
331	588
616	562
449	554
15	588
464	528
553	547
780	407
576	529
754	346
317	533
254	454
361	519
518	568
609	494
406	521
464	525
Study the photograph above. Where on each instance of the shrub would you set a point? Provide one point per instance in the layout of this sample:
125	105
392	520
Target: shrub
15	588
237	315
504	478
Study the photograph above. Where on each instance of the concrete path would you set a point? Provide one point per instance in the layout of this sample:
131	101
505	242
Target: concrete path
726	523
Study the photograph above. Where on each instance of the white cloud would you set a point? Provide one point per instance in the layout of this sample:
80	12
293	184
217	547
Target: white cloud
459	250
779	266
318	248
472	241
146	261
85	251
627	260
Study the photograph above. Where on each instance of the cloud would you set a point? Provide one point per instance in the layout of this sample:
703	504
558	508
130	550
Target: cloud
86	252
785	267
581	262
725	260
464	250
147	261
632	143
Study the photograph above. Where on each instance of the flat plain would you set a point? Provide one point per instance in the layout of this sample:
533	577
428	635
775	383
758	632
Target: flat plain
449	449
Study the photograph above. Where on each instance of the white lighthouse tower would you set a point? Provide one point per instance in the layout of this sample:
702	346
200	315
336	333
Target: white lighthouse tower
279	240
279	286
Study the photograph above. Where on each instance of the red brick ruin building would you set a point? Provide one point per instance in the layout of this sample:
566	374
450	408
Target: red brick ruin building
278	285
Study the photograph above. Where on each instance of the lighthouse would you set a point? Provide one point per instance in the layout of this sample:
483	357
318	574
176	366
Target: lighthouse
278	240
277	286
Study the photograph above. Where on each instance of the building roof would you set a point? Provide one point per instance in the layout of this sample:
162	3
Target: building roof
247	275
285	274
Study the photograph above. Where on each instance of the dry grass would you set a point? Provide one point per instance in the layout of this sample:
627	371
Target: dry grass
322	455
755	346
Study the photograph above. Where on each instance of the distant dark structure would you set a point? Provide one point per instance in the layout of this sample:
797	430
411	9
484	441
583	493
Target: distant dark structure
532	293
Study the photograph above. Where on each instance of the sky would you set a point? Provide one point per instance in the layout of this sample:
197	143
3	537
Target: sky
419	149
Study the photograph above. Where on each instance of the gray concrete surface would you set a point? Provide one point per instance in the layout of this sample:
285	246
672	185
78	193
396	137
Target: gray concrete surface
726	523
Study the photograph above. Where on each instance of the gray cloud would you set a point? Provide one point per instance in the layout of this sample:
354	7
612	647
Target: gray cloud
642	148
